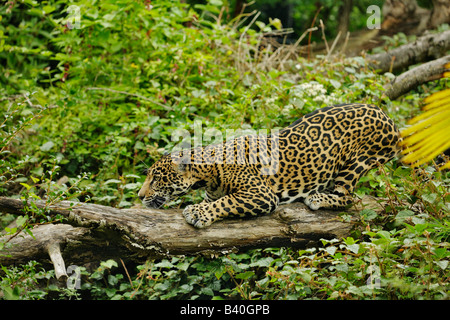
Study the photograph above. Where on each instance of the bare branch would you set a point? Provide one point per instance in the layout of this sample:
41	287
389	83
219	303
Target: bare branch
425	48
411	79
100	232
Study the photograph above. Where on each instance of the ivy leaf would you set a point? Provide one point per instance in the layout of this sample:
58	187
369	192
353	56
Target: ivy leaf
47	146
429	197
443	264
20	221
331	250
353	248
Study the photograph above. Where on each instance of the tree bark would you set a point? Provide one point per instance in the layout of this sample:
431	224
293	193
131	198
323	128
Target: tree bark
413	78
424	49
344	16
440	13
94	232
403	16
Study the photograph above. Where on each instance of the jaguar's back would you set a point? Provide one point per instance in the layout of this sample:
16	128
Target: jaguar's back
330	149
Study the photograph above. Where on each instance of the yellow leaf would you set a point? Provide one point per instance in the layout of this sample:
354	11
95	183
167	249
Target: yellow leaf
437	96
429	113
34	179
26	185
429	133
438	103
425	128
446	166
419	126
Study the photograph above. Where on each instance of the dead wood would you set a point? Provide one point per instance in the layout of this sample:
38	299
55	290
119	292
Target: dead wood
425	48
413	78
94	232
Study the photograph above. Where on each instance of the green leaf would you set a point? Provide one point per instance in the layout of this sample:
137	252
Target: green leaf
218	3
245	275
429	197
336	84
183	266
263	262
48	9
47	146
331	250
10	293
404	215
109	264
112	181
112	280
353	248
20	221
186	288
441	253
207	291
162	286
164	264
132	186
349	241
443	264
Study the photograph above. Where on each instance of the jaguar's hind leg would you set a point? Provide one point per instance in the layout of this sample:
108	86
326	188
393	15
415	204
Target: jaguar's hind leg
333	200
344	184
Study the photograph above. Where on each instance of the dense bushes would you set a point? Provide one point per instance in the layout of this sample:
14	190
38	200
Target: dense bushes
86	109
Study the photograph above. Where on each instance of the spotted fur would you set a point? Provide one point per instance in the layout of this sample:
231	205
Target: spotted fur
320	159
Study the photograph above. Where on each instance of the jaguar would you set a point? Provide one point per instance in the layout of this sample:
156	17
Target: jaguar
318	159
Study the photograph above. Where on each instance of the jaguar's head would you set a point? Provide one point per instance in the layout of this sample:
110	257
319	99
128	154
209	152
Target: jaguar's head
166	179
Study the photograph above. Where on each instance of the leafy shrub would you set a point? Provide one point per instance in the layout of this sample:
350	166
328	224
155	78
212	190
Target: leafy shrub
86	109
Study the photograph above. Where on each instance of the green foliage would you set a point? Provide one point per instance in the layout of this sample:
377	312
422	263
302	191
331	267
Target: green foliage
85	110
302	13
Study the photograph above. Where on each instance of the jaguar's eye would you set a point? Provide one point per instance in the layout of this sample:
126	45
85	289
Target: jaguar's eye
155	179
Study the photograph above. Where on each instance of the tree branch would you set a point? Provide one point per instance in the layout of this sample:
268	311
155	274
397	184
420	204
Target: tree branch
425	48
99	232
411	79
54	251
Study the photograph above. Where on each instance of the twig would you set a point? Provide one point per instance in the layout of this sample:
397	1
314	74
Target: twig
241	14
391	67
309	38
292	49
134	95
54	251
322	27
128	275
345	42
243	33
333	45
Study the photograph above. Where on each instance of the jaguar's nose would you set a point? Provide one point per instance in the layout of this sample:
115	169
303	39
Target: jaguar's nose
141	197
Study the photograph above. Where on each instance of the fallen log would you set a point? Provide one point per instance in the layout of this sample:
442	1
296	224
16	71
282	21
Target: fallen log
94	232
413	78
425	48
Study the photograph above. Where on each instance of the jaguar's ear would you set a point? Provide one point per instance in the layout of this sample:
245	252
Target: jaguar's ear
181	168
181	163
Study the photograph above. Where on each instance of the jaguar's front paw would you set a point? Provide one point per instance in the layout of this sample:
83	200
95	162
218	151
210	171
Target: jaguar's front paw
197	215
313	201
